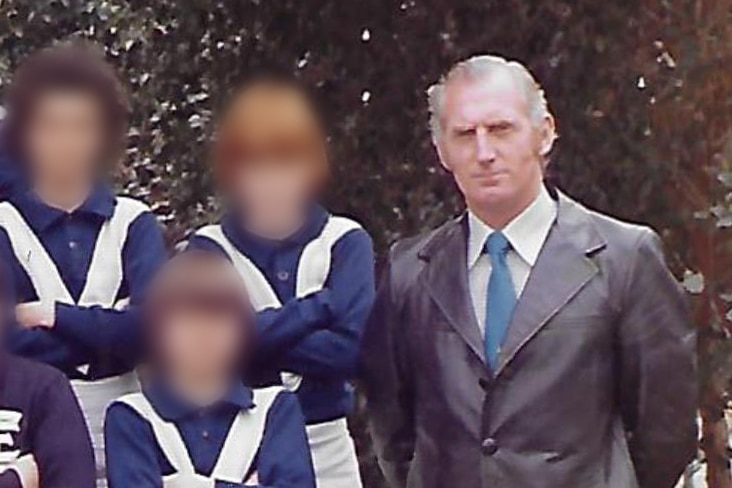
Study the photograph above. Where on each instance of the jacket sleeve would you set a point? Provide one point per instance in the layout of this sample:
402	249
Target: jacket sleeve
61	444
279	328
387	375
333	352
658	390
106	330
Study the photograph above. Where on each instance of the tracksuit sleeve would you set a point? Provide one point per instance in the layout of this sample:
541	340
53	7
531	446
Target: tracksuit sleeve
61	444
37	344
10	181
111	331
284	456
333	352
131	450
279	328
9	479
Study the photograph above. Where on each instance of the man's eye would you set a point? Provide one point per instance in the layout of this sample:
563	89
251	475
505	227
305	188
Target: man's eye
465	132
500	128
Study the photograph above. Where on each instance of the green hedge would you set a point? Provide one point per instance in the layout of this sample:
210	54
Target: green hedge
606	67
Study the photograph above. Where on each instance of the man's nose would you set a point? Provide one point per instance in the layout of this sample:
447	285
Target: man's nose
484	150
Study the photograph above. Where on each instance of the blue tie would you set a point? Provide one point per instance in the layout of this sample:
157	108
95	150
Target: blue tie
501	297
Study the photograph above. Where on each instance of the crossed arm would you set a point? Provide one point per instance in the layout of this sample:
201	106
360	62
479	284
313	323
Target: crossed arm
66	335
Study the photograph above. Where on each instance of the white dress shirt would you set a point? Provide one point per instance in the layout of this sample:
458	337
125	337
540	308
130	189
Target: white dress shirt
526	233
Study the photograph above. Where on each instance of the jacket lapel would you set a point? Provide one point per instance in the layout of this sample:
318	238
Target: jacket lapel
562	269
446	279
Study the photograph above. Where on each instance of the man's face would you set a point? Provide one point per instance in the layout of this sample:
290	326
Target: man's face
65	135
489	142
201	344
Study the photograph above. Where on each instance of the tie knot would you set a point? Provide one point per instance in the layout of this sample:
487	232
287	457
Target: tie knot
497	245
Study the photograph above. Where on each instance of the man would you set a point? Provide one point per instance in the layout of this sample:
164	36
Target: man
43	438
530	342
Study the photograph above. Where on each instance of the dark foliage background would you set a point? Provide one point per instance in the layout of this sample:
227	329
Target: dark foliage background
642	91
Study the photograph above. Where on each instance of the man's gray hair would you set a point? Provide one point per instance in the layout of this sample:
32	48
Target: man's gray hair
481	68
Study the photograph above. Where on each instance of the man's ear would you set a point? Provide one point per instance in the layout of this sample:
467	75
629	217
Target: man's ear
548	135
438	148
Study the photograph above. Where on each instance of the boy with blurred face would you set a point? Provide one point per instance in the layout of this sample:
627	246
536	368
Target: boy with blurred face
309	273
43	437
77	254
196	425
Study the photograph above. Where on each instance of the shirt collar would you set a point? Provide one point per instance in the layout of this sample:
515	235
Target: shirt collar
526	233
99	204
259	248
172	407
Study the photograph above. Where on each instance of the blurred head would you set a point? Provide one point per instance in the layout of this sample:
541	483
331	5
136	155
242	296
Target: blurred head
270	154
66	113
198	320
493	131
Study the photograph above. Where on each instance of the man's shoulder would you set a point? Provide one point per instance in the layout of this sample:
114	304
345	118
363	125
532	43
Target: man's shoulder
408	256
408	249
619	234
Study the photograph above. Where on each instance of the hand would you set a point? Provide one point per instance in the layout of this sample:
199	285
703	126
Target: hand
188	481
36	314
27	470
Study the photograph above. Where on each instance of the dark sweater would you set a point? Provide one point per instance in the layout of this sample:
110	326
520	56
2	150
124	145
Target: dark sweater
39	415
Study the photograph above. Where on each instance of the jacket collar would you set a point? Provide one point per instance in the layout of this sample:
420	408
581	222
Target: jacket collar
563	267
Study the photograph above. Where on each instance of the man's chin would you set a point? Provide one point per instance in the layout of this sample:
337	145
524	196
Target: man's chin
492	197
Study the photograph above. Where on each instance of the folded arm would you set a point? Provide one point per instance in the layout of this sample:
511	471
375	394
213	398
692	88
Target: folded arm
279	328
33	343
333	352
107	330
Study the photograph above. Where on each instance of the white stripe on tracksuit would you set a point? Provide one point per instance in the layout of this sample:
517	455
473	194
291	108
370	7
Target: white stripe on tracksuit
334	456
104	279
239	450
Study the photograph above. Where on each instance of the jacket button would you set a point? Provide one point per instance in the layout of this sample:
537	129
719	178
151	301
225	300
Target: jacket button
485	384
489	446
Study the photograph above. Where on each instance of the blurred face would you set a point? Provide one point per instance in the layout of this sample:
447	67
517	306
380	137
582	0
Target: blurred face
65	136
276	147
200	344
490	144
273	191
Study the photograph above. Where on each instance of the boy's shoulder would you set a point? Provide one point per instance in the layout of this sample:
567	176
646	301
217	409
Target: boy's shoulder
130	204
24	379
339	227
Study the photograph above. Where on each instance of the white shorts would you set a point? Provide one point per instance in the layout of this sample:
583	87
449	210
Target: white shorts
94	398
334	455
